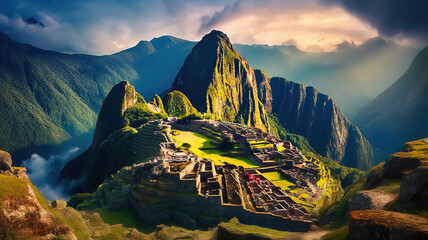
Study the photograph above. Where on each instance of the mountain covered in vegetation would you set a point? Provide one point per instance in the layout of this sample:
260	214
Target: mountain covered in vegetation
400	113
218	81
122	109
307	112
177	104
49	97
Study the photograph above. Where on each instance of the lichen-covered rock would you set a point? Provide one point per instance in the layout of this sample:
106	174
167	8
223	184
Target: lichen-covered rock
414	187
366	199
380	224
5	161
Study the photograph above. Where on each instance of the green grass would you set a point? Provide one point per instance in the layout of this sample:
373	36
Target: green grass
304	195
279	180
71	219
389	186
198	144
338	234
236	225
123	217
296	190
12	186
304	204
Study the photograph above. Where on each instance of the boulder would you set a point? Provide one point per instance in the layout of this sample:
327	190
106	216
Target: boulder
414	187
380	224
5	161
366	199
59	204
397	166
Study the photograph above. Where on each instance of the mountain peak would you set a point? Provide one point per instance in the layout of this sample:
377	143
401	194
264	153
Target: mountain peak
165	42
217	80
216	37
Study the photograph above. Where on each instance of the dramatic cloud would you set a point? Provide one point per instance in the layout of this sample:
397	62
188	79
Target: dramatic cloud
405	18
44	173
345	45
108	26
228	12
313	27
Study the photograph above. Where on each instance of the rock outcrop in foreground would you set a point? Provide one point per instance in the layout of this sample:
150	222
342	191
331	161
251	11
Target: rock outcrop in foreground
23	213
411	167
380	224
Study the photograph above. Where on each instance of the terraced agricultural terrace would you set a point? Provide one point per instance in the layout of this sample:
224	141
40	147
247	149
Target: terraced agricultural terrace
304	180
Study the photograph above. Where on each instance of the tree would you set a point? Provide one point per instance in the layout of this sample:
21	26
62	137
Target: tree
227	144
186	146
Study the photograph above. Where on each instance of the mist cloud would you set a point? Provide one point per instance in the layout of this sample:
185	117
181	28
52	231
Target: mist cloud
44	173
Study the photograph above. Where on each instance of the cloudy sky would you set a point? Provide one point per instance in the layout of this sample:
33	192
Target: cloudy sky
107	26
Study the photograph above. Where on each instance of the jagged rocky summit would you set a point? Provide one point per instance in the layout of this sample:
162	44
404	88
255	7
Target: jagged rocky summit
217	80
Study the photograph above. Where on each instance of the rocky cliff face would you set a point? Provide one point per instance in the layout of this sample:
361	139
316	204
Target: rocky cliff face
86	167
217	80
307	112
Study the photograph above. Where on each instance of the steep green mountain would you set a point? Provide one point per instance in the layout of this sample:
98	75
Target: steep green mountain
304	111
352	76
49	97
217	80
400	113
112	146
178	105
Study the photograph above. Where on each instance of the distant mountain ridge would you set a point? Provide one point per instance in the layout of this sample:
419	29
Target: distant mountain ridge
399	114
352	76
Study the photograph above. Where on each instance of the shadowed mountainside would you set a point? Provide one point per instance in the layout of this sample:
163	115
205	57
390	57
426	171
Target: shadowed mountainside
400	113
352	76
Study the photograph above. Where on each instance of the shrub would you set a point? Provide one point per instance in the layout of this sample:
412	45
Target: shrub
77	199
